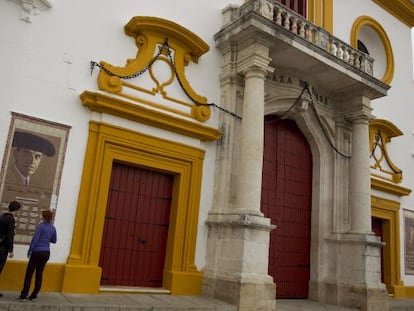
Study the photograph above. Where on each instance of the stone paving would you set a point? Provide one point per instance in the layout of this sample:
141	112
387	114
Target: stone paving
52	301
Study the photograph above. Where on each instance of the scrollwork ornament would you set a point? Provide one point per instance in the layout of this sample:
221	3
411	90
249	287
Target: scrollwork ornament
201	113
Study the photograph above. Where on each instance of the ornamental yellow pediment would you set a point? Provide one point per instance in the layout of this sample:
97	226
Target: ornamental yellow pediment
156	76
153	88
380	134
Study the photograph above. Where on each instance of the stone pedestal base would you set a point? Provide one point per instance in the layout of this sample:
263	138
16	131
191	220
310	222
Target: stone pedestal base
354	279
237	261
363	298
247	295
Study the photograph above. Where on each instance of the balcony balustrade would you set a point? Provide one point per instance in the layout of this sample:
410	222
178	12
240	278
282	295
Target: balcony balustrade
288	21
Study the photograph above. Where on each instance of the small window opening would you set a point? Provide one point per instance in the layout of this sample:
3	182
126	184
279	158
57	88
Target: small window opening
362	47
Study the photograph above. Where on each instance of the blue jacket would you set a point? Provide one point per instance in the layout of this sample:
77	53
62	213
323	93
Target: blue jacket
44	235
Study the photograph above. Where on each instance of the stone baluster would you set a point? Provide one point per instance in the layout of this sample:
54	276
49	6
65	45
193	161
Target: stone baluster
278	16
287	21
294	25
351	59
340	51
309	33
357	61
302	30
333	48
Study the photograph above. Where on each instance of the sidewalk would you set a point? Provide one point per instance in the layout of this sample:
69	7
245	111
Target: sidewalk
48	301
142	302
53	301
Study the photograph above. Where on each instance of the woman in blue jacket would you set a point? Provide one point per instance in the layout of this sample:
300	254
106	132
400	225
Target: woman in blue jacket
38	254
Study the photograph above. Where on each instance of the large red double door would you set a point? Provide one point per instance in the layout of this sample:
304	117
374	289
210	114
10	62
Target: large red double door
286	200
136	227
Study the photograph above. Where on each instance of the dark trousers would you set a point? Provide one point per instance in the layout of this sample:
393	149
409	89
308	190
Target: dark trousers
4	252
37	262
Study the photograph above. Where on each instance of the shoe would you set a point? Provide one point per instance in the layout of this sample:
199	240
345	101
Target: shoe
32	299
1	295
22	299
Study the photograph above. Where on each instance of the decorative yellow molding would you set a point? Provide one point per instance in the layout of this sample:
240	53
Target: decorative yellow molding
102	103
163	44
388	212
380	134
387	187
370	22
401	9
106	144
320	12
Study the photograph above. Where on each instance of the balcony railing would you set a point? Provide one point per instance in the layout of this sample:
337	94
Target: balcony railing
302	28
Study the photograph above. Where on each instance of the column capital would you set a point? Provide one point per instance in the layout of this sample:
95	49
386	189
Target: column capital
255	64
253	54
362	116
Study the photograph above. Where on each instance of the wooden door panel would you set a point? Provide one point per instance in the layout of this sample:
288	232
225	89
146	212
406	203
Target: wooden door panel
286	200
136	227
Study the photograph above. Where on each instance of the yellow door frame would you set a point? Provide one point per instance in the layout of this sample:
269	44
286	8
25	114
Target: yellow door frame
106	144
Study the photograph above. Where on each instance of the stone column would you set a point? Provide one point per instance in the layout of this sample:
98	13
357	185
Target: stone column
237	263
357	279
360	180
249	175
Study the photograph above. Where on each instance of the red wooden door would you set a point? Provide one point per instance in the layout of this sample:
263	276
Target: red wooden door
377	229
136	227
286	200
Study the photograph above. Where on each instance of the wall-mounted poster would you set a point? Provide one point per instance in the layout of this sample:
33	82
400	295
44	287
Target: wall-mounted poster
409	242
31	170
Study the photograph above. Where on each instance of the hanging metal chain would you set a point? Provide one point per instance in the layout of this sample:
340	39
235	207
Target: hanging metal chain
164	48
135	75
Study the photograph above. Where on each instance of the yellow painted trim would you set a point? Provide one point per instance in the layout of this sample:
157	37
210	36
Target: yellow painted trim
380	134
320	12
370	22
102	103
150	33
106	144
13	275
401	9
387	187
388	211
401	292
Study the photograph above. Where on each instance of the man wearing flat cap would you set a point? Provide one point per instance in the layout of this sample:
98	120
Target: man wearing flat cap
28	151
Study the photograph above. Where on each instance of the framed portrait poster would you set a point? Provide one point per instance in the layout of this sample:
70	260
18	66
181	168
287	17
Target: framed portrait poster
409	241
31	170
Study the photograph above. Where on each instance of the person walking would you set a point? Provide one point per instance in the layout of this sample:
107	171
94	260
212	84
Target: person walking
7	224
38	254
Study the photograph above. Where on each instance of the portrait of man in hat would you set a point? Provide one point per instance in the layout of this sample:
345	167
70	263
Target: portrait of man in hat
30	177
31	170
28	152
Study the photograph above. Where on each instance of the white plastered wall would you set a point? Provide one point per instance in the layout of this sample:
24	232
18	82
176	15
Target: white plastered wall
398	106
45	67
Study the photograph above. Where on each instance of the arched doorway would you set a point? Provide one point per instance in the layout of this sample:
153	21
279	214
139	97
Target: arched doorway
286	200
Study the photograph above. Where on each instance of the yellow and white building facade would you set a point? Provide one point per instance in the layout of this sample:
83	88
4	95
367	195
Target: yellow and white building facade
244	150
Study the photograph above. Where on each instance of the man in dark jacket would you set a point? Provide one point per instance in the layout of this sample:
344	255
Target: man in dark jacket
7	224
